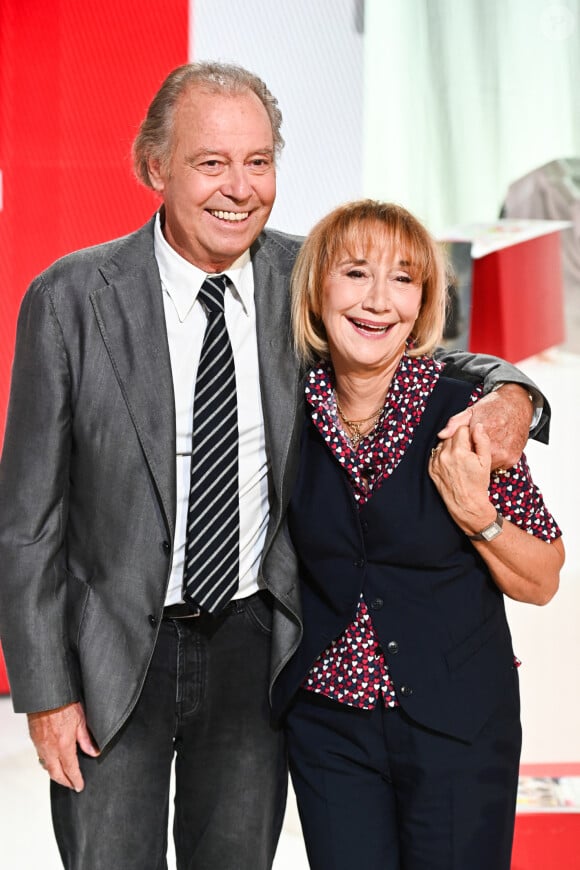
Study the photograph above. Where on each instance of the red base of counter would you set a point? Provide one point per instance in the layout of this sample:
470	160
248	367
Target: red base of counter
548	839
517	301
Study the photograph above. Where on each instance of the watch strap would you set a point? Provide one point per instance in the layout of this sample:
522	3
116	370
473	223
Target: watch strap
490	531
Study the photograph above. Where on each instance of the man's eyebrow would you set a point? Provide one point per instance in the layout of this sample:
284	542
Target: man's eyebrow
261	152
206	152
215	152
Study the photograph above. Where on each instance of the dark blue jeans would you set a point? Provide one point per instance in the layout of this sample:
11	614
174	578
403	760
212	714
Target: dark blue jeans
204	702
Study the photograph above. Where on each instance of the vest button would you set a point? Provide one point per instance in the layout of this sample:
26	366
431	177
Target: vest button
406	691
393	647
377	604
165	547
359	563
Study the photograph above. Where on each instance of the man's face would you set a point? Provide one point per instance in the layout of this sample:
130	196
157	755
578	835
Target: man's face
220	184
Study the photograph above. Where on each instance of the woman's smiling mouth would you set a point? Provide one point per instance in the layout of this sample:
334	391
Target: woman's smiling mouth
369	328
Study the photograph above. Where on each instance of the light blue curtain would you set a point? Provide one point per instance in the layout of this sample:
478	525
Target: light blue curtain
464	96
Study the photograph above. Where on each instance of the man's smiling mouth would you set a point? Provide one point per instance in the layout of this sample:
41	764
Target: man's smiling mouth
234	216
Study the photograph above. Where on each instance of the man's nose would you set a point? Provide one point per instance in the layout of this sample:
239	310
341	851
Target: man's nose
237	182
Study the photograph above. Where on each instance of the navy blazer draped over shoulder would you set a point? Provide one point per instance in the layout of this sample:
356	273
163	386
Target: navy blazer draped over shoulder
438	615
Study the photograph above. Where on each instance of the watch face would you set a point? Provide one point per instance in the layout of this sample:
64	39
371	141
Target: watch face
491	532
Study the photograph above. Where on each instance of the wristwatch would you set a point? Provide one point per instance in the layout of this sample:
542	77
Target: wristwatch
489	532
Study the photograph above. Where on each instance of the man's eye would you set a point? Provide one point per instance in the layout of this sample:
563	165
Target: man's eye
210	166
260	164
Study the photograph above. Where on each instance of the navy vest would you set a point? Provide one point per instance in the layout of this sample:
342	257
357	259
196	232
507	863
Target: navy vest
439	616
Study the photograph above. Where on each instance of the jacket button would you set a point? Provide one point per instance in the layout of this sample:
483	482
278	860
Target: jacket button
364	526
393	647
406	691
152	620
165	547
377	604
359	563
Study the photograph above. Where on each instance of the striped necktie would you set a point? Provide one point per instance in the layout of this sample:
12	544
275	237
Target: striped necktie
211	572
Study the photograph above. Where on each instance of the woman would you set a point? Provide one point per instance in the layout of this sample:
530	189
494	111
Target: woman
403	721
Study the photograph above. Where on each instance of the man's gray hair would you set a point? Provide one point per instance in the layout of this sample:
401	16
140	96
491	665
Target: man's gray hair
155	136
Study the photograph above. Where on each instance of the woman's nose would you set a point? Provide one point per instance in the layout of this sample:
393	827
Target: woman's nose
378	297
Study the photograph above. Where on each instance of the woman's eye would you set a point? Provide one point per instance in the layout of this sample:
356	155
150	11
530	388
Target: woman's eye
355	273
404	279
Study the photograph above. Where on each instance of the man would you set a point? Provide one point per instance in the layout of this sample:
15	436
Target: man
117	648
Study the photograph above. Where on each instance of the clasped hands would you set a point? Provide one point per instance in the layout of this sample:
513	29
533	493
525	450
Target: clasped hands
506	415
489	436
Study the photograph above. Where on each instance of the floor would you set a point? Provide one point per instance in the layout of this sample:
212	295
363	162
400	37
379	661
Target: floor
545	638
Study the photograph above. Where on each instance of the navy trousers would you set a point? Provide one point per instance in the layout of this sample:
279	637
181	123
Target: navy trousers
204	703
377	790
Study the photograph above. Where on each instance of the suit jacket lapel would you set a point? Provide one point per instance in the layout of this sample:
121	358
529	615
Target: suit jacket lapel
129	310
279	372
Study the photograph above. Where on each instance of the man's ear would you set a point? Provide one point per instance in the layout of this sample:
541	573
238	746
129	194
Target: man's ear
156	174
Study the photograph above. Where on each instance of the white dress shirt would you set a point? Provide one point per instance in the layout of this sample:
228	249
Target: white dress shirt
185	321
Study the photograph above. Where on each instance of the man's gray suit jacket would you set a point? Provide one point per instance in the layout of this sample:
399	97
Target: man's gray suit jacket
87	479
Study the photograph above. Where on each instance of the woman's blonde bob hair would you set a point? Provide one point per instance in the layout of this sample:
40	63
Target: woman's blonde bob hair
356	229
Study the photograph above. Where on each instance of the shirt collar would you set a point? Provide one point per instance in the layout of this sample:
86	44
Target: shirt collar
411	374
182	280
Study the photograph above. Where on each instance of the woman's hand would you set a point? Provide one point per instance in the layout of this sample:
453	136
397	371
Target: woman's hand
524	567
460	468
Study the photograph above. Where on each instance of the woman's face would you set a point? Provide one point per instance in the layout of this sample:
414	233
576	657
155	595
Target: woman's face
369	307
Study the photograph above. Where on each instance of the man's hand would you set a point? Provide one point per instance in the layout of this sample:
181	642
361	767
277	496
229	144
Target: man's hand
55	734
506	415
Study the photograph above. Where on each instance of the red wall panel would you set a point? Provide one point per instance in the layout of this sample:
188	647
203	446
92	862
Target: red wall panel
75	81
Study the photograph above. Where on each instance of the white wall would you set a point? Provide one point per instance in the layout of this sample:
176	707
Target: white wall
547	639
309	53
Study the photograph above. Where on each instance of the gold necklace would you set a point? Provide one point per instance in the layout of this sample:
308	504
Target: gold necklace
354	426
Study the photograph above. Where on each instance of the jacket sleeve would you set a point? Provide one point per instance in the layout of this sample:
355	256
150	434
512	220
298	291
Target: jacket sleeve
33	507
492	372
